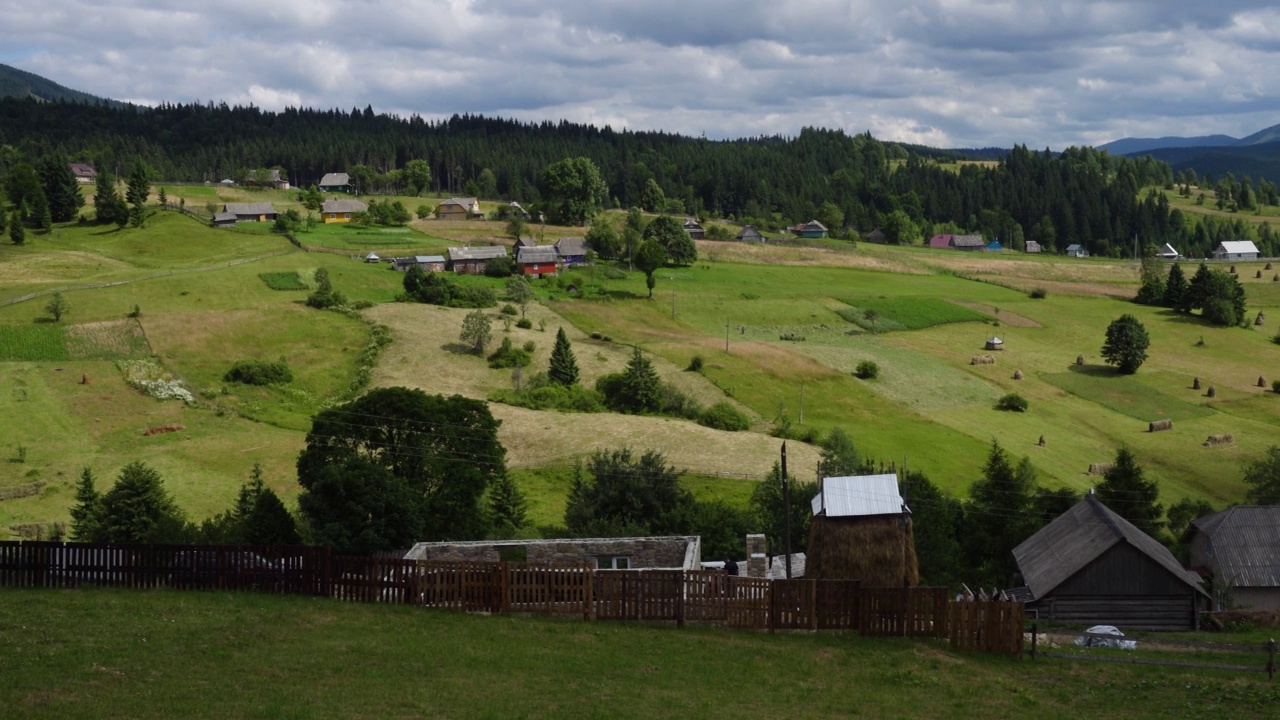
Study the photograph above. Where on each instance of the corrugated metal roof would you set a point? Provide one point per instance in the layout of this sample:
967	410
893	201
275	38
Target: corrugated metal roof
258	208
1078	537
571	246
343	206
1244	543
859	495
480	252
428	258
538	254
1238	246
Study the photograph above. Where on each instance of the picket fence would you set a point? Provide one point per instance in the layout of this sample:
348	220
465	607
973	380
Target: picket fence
679	596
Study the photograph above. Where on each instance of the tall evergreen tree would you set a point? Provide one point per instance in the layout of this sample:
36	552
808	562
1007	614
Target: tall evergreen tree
1130	495
507	504
138	192
839	456
641	387
1000	514
138	508
17	233
269	523
1175	287
60	188
86	513
564	366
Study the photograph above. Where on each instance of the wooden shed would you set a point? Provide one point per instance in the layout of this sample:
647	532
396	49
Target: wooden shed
471	260
1240	548
1092	567
861	530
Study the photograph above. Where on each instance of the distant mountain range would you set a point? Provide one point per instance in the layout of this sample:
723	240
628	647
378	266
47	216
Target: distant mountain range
22	84
1132	146
1256	156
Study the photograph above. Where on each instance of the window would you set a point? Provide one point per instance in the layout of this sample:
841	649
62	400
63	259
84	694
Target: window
333	216
613	562
346	216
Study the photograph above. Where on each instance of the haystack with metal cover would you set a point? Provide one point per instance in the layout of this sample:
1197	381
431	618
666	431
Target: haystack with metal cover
861	530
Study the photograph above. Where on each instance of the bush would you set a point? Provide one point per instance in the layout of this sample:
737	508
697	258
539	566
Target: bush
509	309
1012	401
867	370
508	356
675	403
530	346
613	273
695	365
259	372
500	267
524	323
551	396
1039	293
723	416
1275	386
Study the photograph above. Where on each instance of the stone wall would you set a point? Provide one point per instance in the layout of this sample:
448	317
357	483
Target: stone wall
645	552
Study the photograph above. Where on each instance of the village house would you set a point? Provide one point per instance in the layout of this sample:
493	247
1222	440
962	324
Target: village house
1168	253
1032	246
85	174
993	246
695	231
877	236
538	261
1089	566
572	250
250	212
472	260
968	243
1239	549
266	177
515	209
340	211
460	209
1236	250
941	241
861	530
749	233
425	263
1077	250
811	229
335	183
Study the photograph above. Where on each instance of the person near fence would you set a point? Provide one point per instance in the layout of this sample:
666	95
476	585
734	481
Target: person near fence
730	567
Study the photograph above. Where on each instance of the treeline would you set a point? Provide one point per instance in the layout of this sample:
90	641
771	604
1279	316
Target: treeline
1082	196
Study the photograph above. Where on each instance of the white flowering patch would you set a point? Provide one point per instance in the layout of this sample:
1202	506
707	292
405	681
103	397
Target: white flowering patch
146	376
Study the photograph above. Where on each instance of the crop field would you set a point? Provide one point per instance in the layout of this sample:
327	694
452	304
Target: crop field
32	343
286	280
905	313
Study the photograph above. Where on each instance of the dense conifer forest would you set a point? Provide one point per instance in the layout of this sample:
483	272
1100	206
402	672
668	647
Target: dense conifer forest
1109	204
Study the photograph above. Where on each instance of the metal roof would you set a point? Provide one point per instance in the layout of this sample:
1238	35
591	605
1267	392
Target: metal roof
967	241
343	206
1244	543
1081	535
1237	246
428	258
335	180
258	208
538	254
571	246
859	495
480	252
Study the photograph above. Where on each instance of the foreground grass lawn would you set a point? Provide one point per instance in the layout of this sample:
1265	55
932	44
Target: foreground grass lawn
107	653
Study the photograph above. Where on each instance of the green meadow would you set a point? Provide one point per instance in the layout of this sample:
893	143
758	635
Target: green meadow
780	330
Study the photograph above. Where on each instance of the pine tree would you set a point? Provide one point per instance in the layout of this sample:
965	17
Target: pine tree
86	512
269	523
60	188
138	192
1130	495
1175	287
46	219
1000	514
641	386
138	508
507	504
17	233
564	366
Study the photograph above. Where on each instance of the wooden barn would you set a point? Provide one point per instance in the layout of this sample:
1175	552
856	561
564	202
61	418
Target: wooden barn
861	530
1240	549
1092	567
472	260
538	260
749	233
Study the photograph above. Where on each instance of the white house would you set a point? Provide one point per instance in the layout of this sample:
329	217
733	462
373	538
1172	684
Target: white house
1168	253
1236	250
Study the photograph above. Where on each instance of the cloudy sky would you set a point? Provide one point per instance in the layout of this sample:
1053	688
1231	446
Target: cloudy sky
946	73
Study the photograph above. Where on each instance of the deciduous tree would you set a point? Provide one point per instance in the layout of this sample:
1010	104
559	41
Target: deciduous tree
477	330
621	494
1126	344
573	190
416	174
1263	478
648	258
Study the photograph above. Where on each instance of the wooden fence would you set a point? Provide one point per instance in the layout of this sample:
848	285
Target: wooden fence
679	596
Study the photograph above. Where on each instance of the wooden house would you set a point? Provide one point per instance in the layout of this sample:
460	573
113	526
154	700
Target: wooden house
811	229
85	174
1033	246
266	178
515	209
460	209
1239	548
251	212
335	183
340	211
1168	252
861	530
538	261
749	233
1077	250
941	241
968	243
224	219
472	260
1236	250
1089	566
572	250
694	229
425	263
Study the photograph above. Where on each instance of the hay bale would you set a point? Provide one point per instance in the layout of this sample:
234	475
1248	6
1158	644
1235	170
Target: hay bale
1212	392
1042	443
1259	274
1159	425
1079	360
1099	468
1268	267
1195	384
84	379
1262	382
1220	439
1233	270
1258	320
1275	278
876	550
982	360
1017	374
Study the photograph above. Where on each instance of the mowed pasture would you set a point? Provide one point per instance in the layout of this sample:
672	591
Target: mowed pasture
929	409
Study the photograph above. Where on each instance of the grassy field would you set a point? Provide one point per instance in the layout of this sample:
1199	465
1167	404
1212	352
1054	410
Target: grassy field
929	408
219	655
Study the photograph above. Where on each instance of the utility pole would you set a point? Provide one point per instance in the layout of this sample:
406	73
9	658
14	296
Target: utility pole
786	507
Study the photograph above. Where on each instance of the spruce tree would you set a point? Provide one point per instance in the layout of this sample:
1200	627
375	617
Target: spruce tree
641	386
138	192
1130	495
60	188
564	366
17	233
507	504
1175	287
86	512
138	508
269	523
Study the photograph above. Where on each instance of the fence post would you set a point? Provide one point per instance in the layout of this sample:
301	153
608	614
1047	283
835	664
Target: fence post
504	587
1035	632
589	603
1271	659
680	596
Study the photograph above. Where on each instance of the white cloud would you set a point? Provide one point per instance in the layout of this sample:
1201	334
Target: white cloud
937	72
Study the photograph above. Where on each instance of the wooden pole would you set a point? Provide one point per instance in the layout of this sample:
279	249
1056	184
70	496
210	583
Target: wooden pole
726	337
786	507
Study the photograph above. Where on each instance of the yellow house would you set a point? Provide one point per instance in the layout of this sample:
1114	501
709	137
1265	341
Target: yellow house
340	211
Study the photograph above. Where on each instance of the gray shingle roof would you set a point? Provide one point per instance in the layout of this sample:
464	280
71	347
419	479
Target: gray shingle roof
570	246
750	232
538	254
1244	543
1078	537
967	241
480	252
258	208
343	206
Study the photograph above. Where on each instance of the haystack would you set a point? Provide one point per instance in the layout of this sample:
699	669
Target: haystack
1080	360
1233	270
1099	468
1042	442
1017	374
1268	267
1159	425
982	360
1195	384
1259	274
1212	392
1259	320
1220	439
994	343
879	550
1262	382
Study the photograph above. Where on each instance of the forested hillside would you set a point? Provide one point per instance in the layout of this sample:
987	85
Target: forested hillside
1080	196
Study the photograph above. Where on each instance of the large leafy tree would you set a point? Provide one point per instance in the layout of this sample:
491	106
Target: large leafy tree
416	465
564	366
22	187
1126	490
476	330
603	239
622	494
1263	478
937	519
573	190
1126	344
416	174
676	243
648	258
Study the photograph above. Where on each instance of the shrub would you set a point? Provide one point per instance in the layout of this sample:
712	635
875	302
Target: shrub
673	402
613	273
500	267
530	346
509	309
597	336
1012	401
1275	386
695	365
791	337
723	416
259	372
1039	293
524	323
551	396
508	356
867	370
